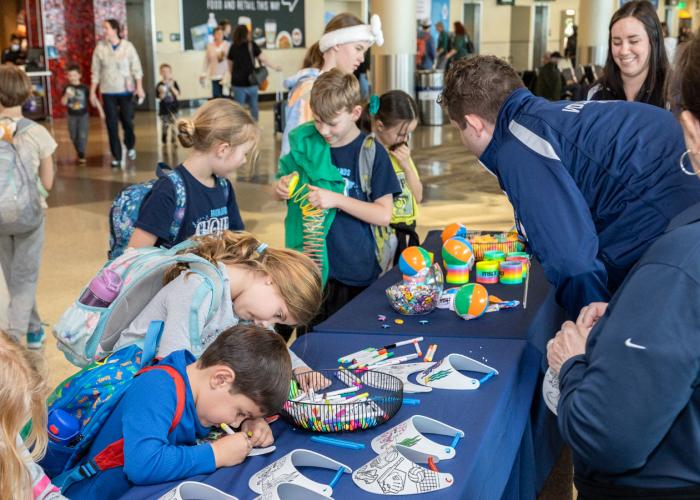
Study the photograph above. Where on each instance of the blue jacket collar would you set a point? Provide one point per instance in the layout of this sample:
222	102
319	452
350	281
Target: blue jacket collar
508	110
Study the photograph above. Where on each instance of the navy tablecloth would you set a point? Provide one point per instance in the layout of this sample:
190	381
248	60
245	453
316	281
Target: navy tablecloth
360	315
489	461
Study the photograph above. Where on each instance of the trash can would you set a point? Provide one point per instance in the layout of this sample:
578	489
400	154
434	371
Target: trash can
429	85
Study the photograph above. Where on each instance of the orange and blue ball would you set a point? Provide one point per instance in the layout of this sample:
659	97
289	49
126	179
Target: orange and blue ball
452	230
458	251
471	301
414	259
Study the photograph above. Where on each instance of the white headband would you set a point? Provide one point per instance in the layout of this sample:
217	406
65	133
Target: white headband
370	33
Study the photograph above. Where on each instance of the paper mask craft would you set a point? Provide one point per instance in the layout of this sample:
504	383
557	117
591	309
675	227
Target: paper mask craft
285	470
410	434
550	390
291	491
402	372
395	472
262	451
445	373
193	490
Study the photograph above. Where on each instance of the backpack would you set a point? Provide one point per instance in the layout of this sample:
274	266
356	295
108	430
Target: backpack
20	202
384	237
90	396
127	205
86	333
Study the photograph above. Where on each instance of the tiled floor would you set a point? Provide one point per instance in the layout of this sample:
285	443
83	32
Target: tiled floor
77	228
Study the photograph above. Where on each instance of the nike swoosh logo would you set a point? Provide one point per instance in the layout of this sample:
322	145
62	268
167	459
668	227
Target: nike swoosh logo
629	343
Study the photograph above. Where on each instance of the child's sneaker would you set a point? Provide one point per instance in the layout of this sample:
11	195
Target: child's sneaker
35	340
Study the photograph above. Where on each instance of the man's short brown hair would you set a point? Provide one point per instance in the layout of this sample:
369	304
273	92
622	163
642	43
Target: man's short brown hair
479	86
15	86
334	92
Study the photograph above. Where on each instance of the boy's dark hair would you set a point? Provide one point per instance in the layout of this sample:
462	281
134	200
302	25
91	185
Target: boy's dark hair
334	92
261	361
395	107
165	65
73	67
15	86
480	86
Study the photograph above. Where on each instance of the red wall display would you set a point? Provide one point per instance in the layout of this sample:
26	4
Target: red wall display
75	25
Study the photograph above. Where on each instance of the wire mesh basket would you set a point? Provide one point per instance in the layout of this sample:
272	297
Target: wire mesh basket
356	400
505	242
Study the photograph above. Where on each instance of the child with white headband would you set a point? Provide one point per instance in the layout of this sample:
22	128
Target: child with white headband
342	46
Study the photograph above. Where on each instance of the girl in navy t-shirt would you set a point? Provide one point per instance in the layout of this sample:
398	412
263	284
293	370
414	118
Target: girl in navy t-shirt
221	134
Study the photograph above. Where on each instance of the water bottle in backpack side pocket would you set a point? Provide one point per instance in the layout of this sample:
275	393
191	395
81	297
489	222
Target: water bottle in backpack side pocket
102	290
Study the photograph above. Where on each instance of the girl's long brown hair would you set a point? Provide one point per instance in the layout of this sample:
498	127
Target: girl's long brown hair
295	275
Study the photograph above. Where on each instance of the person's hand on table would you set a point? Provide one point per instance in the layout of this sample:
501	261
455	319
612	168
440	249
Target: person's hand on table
591	313
570	341
231	449
308	379
258	431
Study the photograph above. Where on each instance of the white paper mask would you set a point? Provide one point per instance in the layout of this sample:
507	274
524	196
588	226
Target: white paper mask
402	372
394	473
291	491
193	490
444	374
262	451
410	434
284	470
550	390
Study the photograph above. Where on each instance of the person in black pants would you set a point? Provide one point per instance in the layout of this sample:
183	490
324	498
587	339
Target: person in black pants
116	68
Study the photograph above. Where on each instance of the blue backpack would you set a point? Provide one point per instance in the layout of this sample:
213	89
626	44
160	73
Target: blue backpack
90	396
127	205
88	333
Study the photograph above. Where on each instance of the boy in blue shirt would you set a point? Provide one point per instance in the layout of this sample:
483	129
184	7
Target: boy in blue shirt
593	184
223	386
326	154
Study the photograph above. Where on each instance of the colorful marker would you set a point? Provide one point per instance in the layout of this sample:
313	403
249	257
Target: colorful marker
396	361
341	443
403	342
431	352
348	357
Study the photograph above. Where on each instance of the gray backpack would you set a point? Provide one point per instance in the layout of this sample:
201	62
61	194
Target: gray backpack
385	241
20	201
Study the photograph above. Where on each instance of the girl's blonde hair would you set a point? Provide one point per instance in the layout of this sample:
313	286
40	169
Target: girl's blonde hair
22	396
295	275
218	121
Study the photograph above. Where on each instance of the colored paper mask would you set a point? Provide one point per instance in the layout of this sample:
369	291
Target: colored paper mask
445	374
410	434
285	470
396	472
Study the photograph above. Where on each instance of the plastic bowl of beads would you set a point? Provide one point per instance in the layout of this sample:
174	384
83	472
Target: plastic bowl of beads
349	404
417	295
504	242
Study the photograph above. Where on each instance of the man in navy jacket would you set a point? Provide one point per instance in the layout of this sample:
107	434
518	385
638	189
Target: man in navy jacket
593	184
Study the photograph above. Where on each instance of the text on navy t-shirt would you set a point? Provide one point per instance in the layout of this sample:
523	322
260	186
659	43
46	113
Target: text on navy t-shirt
208	210
351	249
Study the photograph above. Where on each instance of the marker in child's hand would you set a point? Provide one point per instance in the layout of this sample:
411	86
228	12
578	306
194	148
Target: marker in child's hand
231	432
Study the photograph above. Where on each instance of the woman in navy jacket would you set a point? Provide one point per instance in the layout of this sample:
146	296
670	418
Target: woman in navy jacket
630	386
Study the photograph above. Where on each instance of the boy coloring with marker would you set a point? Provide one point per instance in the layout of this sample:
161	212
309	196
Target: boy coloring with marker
241	377
325	154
